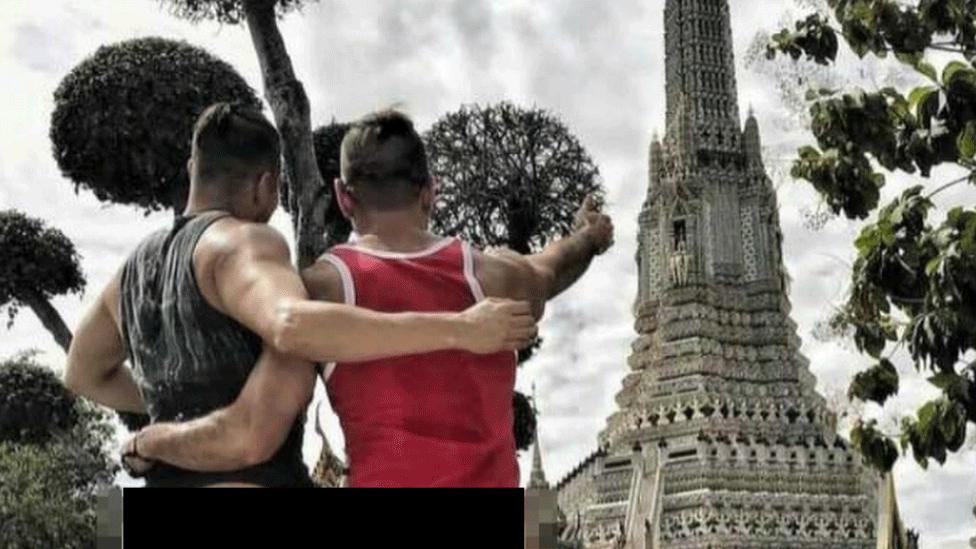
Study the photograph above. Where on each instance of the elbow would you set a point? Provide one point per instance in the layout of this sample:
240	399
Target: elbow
287	329
298	329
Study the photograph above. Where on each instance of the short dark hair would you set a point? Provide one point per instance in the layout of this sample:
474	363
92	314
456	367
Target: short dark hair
231	141
383	161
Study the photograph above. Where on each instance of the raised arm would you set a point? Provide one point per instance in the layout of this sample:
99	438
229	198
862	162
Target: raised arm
539	277
95	367
563	262
247	432
256	284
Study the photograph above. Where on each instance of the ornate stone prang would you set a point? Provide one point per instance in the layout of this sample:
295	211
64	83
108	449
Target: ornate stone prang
749	457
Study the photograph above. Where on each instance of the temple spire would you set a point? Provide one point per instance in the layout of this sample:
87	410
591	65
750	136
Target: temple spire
702	95
537	479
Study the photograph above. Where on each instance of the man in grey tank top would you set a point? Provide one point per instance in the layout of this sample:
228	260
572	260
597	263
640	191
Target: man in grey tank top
216	322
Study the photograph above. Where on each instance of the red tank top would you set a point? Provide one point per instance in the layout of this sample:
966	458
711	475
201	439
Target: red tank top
441	419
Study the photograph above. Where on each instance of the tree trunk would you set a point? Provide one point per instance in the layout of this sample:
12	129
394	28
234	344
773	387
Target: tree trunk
50	318
292	114
291	110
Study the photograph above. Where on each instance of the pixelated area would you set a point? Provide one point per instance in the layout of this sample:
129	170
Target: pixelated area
109	527
540	519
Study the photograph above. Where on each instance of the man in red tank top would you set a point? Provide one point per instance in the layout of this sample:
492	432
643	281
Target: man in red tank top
441	419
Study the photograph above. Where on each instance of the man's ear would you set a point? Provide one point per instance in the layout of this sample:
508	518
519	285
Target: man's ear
428	194
267	185
343	198
189	167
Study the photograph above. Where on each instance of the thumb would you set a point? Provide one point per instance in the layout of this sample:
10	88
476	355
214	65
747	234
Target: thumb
589	203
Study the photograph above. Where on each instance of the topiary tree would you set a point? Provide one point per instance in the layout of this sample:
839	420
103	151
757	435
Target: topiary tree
309	194
53	459
913	282
34	405
37	263
509	176
123	118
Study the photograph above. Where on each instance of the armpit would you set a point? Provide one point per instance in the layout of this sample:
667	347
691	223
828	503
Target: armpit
323	282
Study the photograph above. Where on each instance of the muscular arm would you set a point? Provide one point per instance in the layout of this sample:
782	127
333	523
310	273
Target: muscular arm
562	263
534	278
540	277
252	280
247	432
256	284
95	367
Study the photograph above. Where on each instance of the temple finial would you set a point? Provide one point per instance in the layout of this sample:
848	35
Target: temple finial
537	479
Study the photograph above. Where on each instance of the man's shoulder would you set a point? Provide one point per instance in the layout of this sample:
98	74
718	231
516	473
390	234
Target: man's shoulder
232	235
149	248
501	261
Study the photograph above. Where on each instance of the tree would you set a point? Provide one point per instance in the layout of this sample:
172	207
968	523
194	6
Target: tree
123	118
308	192
913	282
508	176
34	405
123	123
53	459
37	263
793	78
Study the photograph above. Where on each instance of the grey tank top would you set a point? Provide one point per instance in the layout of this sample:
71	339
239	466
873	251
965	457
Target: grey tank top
190	359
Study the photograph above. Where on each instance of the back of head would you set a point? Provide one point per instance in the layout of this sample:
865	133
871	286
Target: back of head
232	143
383	161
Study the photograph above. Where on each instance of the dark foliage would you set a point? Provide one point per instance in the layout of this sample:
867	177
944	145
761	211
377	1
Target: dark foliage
913	282
33	403
224	11
34	259
875	384
507	176
525	421
525	354
879	451
123	118
53	464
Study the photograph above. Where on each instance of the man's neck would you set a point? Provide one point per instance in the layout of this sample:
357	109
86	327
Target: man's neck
202	202
393	232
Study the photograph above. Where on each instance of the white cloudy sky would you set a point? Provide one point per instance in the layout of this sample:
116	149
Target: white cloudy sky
598	65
